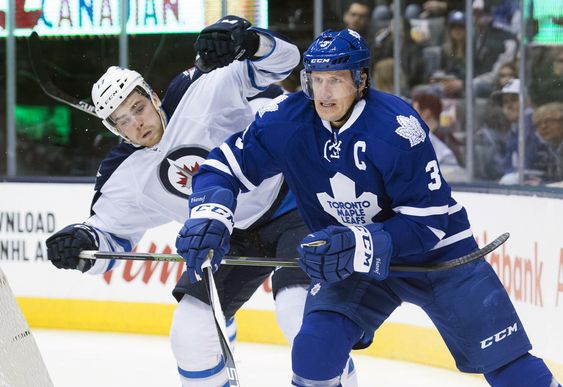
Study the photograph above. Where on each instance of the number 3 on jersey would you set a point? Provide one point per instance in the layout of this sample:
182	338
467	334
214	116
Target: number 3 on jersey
435	179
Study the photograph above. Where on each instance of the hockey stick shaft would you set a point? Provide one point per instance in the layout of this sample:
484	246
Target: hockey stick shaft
220	324
45	81
293	262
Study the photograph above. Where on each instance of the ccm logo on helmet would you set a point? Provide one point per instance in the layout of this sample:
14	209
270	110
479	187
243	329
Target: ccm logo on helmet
321	60
110	97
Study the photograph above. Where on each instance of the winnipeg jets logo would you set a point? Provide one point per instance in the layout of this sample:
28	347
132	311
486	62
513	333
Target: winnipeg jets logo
185	173
344	206
332	149
272	106
178	167
410	129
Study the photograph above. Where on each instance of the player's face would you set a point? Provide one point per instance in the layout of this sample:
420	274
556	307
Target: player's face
334	93
138	120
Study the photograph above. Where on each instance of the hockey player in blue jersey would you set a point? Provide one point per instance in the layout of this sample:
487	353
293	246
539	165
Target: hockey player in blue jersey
145	180
368	185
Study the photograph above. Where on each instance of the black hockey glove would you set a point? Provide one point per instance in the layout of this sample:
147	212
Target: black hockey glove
225	41
64	246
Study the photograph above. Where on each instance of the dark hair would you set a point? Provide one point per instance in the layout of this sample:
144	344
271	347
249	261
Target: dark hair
366	3
429	101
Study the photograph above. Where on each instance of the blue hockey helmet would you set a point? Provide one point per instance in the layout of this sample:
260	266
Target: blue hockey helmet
337	50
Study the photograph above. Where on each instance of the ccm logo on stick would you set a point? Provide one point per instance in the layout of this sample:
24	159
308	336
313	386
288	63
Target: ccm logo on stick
499	336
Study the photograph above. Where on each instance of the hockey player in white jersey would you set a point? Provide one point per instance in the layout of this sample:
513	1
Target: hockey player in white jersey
145	181
368	185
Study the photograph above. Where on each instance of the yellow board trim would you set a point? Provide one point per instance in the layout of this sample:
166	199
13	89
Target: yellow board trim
392	341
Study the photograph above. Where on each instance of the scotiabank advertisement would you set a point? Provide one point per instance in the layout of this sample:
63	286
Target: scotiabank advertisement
530	263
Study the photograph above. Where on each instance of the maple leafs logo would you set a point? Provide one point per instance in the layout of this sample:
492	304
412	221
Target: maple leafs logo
272	106
410	129
344	206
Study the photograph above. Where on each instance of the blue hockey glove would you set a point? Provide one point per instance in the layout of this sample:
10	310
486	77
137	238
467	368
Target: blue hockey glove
334	253
225	41
64	246
207	231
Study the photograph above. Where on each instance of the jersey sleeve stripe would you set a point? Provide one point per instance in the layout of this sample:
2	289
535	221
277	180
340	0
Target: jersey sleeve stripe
453	239
425	211
455	208
439	233
235	167
217	165
252	78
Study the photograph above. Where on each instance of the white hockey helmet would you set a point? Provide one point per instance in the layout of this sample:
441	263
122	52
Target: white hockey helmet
113	88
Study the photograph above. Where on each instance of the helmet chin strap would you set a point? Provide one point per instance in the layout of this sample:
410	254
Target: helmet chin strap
161	113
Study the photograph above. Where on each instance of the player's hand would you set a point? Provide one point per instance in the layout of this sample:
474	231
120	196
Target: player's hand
225	41
336	252
207	232
64	246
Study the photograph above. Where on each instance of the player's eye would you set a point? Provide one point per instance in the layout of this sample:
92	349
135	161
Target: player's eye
138	109
123	122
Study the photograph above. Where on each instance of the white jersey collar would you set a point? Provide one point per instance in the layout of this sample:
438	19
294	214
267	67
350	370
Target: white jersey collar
358	109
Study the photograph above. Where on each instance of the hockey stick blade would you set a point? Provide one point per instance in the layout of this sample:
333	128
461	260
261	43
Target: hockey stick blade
293	262
45	81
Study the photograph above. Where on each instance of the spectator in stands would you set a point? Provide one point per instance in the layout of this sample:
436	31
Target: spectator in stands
424	8
383	76
548	121
547	79
429	107
357	17
488	83
411	53
453	53
493	46
496	143
506	15
506	73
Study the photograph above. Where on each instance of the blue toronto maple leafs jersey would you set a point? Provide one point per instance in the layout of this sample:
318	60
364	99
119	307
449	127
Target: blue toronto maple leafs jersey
379	167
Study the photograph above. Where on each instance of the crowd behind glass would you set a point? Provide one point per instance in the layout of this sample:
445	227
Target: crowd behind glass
433	73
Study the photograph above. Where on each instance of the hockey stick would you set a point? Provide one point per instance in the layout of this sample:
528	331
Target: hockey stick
45	81
293	262
220	325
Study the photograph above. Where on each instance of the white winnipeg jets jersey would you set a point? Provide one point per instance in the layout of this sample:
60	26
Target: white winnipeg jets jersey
141	188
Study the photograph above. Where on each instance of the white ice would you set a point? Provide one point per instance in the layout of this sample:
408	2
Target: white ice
91	359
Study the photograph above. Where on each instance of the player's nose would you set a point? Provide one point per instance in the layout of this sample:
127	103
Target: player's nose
325	91
138	122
